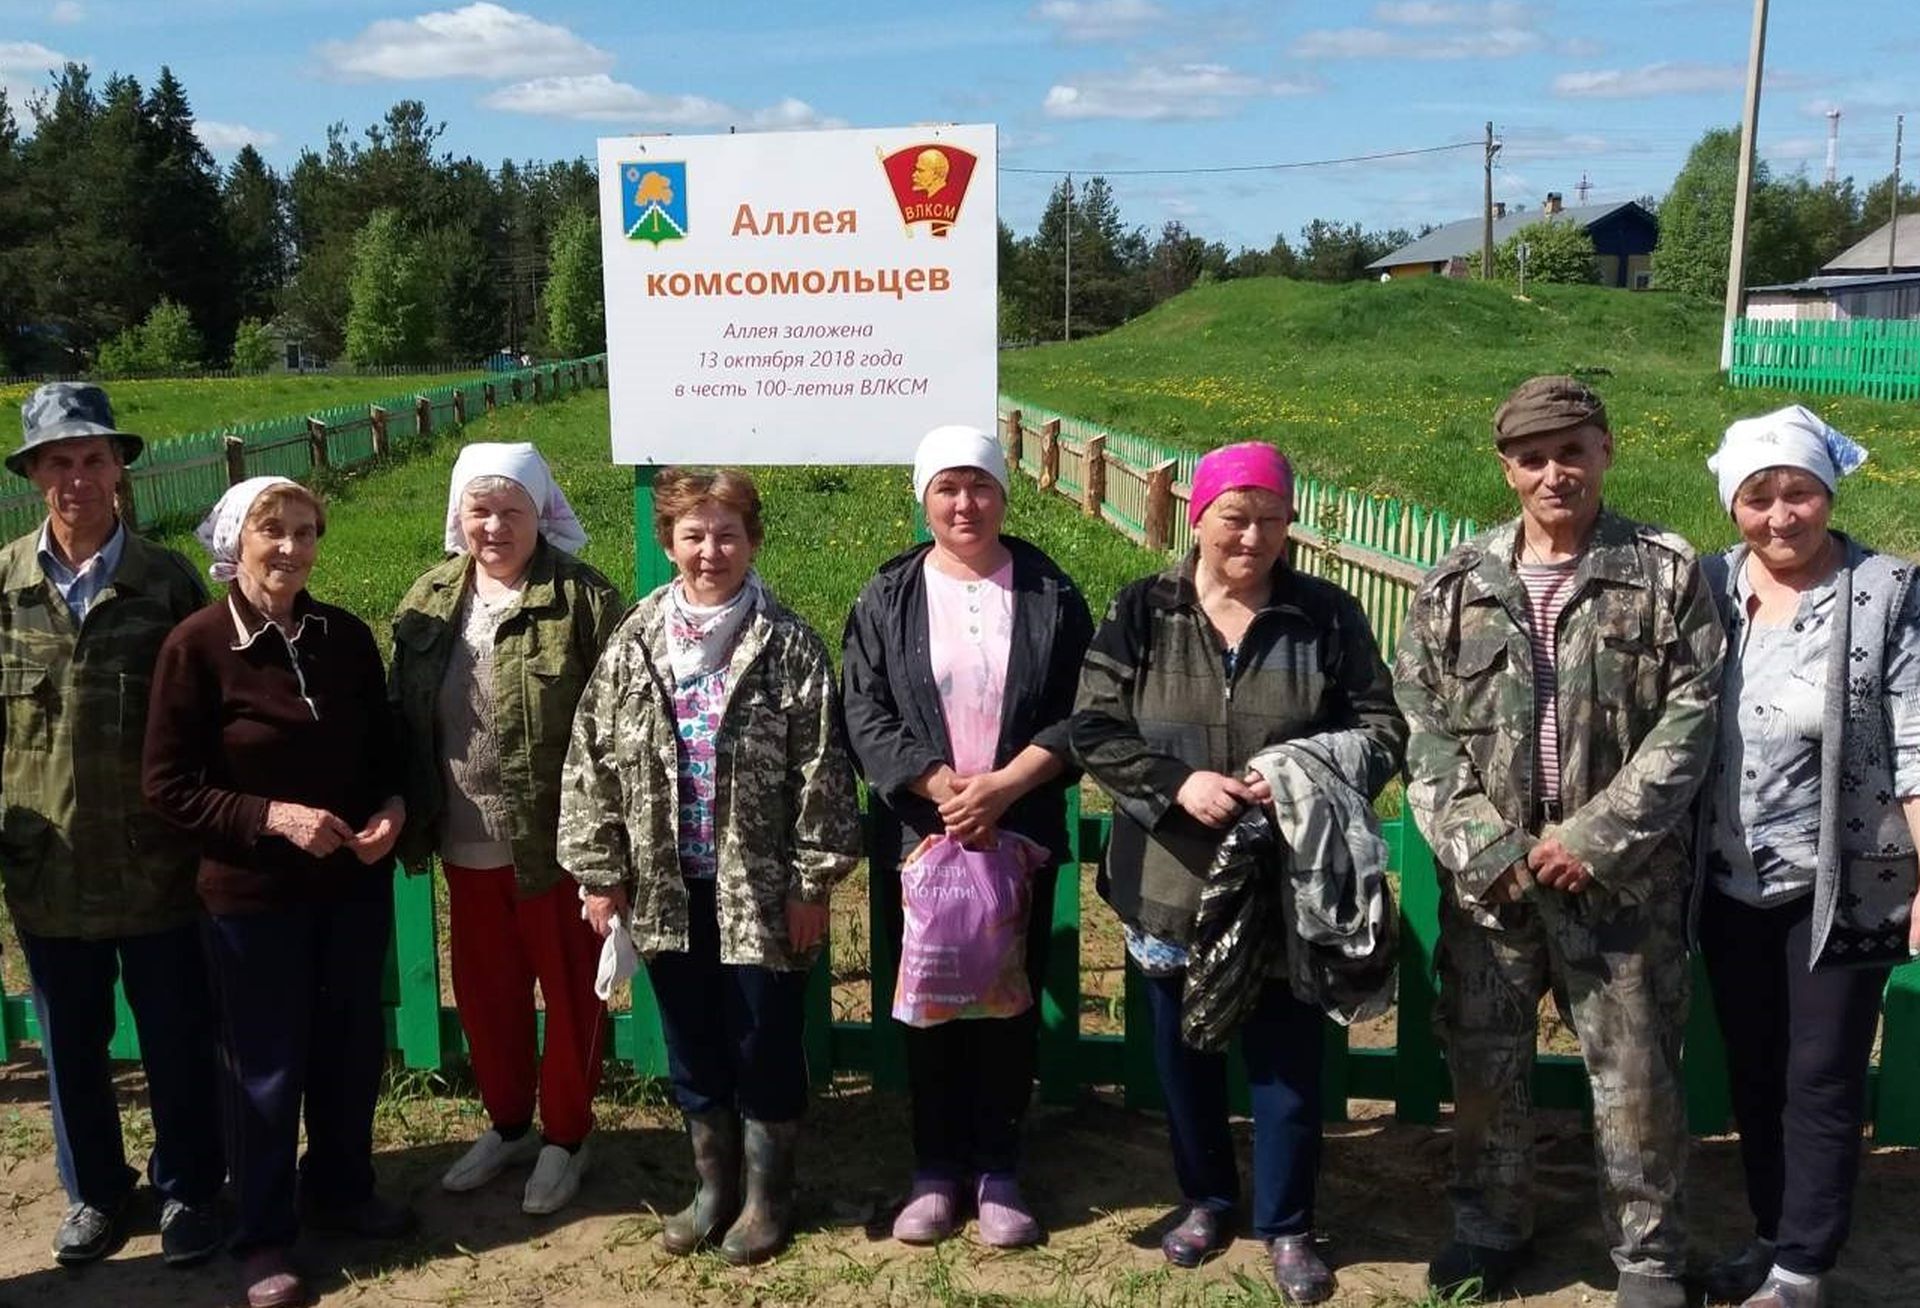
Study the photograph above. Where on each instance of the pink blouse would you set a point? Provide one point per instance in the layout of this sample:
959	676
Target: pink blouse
970	631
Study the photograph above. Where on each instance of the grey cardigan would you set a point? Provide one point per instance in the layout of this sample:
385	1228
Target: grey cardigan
1865	876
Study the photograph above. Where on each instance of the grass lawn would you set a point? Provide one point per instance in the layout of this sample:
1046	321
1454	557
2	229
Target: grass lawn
176	406
1391	388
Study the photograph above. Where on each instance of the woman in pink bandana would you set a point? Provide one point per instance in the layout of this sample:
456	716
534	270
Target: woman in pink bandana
1192	673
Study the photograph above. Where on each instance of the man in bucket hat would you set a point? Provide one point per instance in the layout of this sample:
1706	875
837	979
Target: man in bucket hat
97	886
1560	674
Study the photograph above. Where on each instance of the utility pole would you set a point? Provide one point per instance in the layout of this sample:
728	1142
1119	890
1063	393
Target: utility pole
1486	230
1743	189
1066	320
1893	228
1584	187
1833	147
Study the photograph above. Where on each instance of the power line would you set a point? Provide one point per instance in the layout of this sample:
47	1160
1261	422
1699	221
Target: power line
1250	168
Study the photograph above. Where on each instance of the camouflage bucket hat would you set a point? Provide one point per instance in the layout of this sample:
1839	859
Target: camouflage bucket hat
65	411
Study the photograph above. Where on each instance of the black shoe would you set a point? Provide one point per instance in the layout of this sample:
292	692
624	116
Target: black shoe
88	1234
1202	1233
1739	1276
1491	1271
1298	1270
373	1218
189	1234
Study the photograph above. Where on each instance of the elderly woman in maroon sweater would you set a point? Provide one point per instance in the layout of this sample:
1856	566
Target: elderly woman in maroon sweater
268	738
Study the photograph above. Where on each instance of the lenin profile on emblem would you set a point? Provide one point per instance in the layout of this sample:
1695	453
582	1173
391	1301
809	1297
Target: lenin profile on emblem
929	183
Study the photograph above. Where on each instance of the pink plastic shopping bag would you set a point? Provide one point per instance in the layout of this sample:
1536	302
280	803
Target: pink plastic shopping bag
964	951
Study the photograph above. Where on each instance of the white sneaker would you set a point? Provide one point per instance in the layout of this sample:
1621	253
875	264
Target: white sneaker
555	1180
489	1156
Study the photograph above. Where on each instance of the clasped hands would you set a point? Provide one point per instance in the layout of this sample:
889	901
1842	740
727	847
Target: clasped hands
1215	799
970	806
1549	863
320	832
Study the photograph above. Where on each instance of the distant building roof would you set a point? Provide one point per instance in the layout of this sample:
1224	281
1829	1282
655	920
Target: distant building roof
1459	239
1843	282
1870	253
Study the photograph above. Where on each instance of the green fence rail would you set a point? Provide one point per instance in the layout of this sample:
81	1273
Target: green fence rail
181	476
1875	357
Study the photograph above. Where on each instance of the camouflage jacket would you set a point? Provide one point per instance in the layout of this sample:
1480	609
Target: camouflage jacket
81	854
786	818
1640	652
543	654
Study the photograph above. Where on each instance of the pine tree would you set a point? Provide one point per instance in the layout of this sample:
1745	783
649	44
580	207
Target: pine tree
254	201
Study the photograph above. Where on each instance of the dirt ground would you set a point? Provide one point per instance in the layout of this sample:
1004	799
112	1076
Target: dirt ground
1099	1176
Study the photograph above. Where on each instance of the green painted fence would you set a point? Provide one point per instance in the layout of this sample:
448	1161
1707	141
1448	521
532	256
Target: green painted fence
1876	357
180	477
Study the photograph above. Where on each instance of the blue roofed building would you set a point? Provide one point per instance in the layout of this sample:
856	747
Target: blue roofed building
1623	239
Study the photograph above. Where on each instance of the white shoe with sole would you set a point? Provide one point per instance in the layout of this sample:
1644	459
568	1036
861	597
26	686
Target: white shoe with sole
490	1155
555	1180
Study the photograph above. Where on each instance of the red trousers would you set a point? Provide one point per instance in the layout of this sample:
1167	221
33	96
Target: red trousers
502	944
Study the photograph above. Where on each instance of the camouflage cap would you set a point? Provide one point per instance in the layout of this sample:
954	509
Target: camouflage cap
66	411
1546	404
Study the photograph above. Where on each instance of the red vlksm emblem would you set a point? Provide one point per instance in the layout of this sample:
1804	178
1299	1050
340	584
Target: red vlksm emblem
929	184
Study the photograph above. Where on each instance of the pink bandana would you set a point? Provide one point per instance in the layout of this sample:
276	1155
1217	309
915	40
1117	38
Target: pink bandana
1253	464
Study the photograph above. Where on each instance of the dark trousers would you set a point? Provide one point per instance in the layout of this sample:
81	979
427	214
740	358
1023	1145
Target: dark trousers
1280	1042
1797	1043
301	1030
971	1080
733	1032
166	984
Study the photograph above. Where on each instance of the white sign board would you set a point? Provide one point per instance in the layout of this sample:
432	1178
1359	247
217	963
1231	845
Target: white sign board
798	297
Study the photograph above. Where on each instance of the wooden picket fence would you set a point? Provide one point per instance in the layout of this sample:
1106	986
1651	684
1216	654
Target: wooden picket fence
180	477
1875	357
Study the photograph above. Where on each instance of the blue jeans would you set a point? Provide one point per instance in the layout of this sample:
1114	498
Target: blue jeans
301	1031
1280	1042
166	983
733	1032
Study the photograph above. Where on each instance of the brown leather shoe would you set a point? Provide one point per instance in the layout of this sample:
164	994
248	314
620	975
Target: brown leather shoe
1298	1270
1202	1233
271	1280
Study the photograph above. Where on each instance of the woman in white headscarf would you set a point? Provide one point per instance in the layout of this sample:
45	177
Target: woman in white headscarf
268	739
491	650
1805	894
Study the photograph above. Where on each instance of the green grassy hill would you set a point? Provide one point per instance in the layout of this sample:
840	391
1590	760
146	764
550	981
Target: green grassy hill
1391	388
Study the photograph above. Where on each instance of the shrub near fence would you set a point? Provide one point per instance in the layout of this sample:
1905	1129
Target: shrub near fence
1875	357
181	476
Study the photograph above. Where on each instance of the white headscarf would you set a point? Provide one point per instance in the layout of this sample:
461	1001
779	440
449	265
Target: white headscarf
521	464
219	531
957	447
1793	437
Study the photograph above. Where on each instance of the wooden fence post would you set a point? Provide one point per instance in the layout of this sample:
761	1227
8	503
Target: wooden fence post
459	406
488	395
422	416
377	419
317	443
1012	439
236	460
1049	454
514	387
1159	523
1093	489
536	387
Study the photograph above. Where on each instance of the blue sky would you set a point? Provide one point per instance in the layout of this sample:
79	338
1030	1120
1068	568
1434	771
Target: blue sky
1613	92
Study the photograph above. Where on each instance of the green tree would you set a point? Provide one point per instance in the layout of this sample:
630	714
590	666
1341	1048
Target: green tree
253	347
463	297
254	200
165	343
576	310
1696	223
385	319
1556	252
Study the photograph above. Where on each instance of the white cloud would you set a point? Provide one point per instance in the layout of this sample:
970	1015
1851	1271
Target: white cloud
478	40
1649	81
24	66
66	13
597	98
1151	91
1424	13
1502	41
1099	20
228	138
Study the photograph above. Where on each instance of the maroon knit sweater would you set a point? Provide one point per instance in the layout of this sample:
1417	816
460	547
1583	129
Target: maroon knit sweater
239	716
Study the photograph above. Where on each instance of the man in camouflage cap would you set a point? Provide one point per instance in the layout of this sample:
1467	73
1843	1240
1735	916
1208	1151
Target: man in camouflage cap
97	886
1560	675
